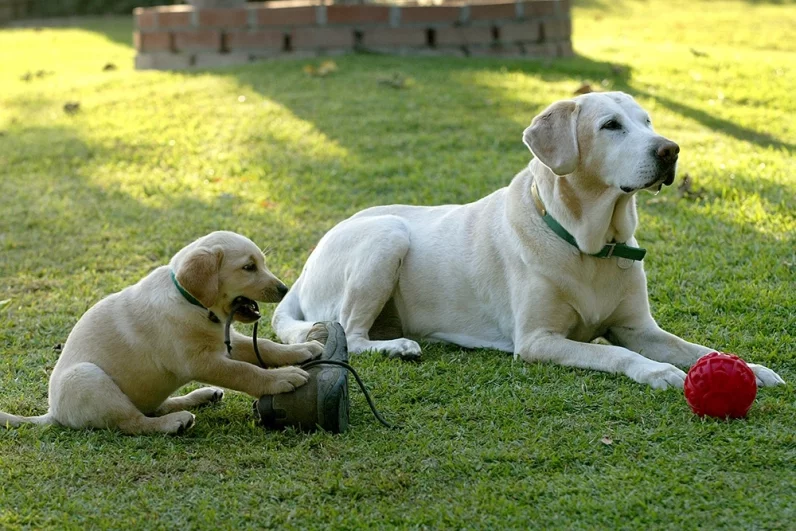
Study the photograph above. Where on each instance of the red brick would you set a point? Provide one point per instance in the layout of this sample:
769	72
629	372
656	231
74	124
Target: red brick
492	11
255	40
394	37
363	14
463	36
145	19
174	19
539	8
223	18
157	41
204	40
519	32
412	15
324	38
285	16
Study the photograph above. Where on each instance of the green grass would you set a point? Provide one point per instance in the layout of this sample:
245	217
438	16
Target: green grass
91	202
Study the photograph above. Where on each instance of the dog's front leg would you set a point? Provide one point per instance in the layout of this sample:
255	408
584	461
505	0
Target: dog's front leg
649	340
273	354
545	345
246	377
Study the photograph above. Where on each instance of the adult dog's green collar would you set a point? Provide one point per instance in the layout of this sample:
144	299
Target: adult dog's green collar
613	249
188	297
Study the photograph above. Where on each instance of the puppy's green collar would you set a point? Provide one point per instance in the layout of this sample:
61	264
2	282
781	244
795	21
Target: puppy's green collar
188	297
613	249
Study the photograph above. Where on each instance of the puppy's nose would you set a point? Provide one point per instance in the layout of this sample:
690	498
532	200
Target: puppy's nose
667	151
282	290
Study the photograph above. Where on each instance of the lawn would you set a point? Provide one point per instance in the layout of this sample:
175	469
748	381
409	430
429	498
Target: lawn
92	201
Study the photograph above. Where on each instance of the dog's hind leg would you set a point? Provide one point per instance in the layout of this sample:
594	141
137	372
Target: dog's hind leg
84	396
375	268
199	397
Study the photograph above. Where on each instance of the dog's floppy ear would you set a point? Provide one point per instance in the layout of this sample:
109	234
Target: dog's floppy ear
551	137
198	274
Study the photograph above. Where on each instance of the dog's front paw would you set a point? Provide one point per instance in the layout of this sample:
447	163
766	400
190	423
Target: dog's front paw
285	380
765	377
214	394
179	422
309	350
659	375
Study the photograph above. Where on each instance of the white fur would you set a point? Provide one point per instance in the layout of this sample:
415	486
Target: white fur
134	348
492	274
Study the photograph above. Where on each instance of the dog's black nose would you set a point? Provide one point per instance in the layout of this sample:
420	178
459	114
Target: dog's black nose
282	289
667	151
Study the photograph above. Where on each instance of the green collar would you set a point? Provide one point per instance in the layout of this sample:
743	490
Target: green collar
619	250
188	297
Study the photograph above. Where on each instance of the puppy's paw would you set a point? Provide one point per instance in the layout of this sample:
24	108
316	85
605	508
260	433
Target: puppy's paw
214	394
285	380
660	375
765	377
308	351
179	422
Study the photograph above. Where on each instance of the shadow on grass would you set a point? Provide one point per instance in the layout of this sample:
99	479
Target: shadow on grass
715	123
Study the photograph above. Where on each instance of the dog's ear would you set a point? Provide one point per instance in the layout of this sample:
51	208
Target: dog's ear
198	274
551	137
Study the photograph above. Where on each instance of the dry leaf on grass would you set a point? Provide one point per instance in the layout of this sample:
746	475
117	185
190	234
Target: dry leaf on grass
686	189
322	70
71	107
583	89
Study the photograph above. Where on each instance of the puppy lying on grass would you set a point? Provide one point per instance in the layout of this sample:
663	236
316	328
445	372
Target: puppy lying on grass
133	349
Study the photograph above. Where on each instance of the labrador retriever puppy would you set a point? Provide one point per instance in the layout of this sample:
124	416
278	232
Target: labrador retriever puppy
133	349
539	268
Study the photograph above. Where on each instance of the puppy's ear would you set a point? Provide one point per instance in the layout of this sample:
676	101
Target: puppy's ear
198	274
551	137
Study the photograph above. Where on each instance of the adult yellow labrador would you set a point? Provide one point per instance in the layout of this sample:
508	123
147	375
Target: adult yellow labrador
539	268
133	349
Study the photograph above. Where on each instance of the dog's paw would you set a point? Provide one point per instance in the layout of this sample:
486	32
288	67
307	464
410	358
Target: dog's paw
285	380
765	377
179	422
214	394
310	350
405	349
660	375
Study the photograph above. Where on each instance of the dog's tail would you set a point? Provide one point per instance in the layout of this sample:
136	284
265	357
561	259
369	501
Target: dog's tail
288	321
13	421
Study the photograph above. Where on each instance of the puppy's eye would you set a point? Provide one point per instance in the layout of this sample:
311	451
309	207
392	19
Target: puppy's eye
649	122
250	267
612	125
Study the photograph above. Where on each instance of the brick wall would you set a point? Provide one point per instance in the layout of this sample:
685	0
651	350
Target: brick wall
177	37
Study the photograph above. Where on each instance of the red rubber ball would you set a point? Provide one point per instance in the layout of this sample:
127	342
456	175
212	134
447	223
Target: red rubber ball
720	385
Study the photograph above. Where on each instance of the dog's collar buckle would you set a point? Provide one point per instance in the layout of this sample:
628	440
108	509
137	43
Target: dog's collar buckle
611	250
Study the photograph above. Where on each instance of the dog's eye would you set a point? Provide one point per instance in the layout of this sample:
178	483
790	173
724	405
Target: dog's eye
649	122
612	125
250	267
